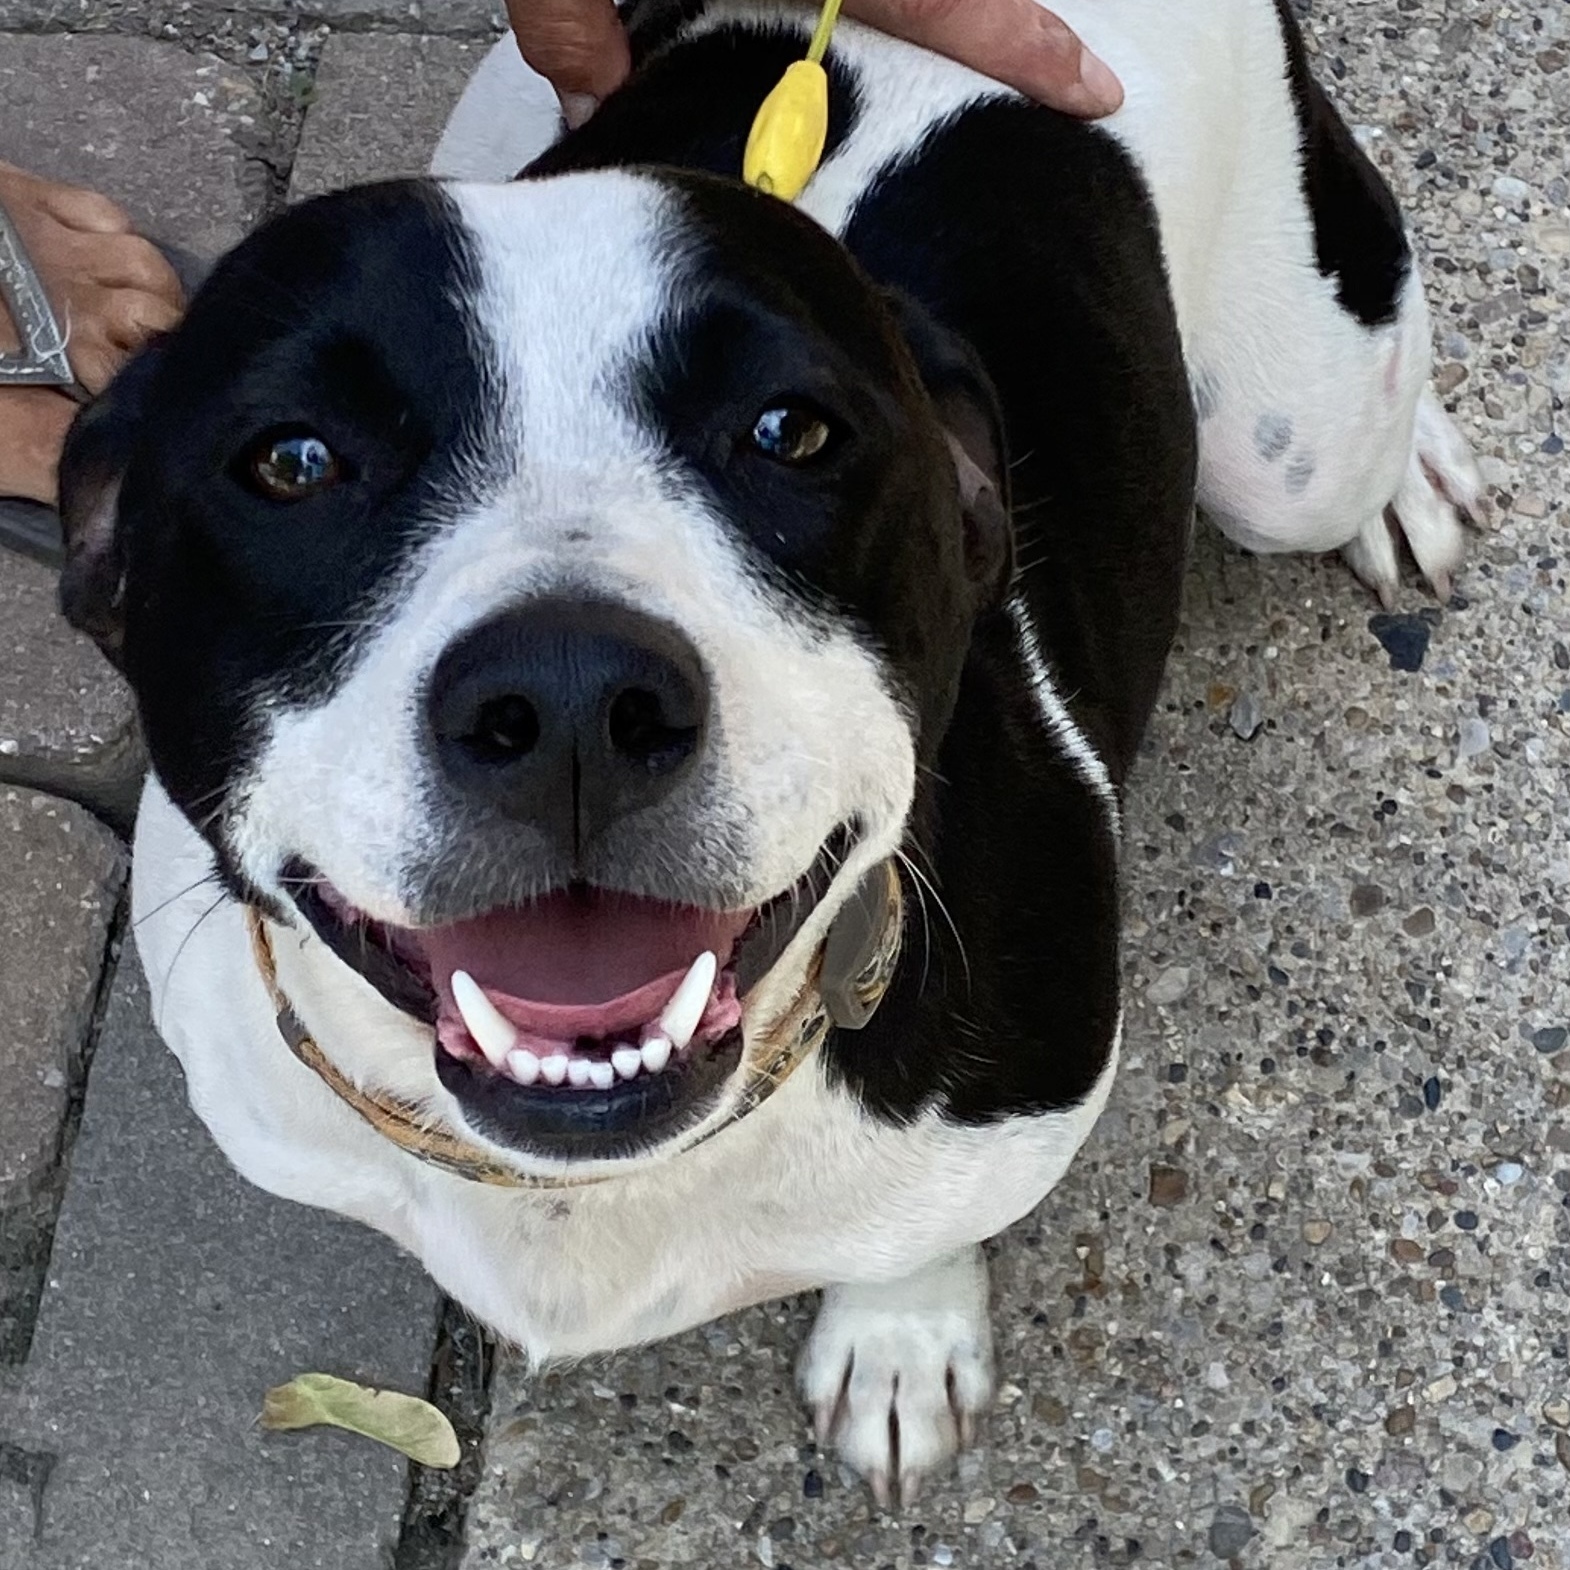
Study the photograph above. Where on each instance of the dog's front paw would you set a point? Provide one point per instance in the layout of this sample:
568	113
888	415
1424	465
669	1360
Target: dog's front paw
897	1374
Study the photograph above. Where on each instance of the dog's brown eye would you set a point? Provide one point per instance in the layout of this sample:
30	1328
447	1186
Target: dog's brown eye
791	433
288	466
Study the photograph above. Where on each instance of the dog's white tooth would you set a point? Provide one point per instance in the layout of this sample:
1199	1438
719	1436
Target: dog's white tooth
493	1034
656	1053
601	1075
523	1065
553	1069
626	1061
578	1072
685	1010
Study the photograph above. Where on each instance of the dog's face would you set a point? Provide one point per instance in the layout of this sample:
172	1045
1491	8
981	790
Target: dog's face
545	598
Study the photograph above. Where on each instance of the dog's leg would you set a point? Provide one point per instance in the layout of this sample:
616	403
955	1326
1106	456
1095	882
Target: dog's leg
1317	428
1359	457
896	1373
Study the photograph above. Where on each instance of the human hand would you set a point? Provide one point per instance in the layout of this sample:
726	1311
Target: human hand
110	291
579	46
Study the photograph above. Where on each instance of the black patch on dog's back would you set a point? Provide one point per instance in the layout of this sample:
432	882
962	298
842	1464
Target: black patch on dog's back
1033	237
1358	236
1050	268
652	24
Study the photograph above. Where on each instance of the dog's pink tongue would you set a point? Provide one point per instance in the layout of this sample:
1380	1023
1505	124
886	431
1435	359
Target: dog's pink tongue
580	963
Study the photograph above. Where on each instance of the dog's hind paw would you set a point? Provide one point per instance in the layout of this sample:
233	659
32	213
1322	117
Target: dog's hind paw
1441	487
898	1373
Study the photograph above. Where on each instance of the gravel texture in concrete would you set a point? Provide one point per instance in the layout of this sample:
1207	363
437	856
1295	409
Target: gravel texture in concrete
177	1295
1302	1301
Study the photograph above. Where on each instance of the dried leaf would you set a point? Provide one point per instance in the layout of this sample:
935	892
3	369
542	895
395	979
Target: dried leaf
405	1422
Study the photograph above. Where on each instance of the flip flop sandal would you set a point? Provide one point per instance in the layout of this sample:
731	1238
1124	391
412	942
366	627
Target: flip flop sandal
28	526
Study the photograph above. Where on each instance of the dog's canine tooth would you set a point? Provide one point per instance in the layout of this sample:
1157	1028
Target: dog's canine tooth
523	1065
626	1061
577	1072
685	1010
655	1052
553	1069
493	1034
601	1075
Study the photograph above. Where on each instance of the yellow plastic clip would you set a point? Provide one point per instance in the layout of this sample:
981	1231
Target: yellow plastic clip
785	144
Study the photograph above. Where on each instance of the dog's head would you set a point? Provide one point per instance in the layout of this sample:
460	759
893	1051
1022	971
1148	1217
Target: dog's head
546	598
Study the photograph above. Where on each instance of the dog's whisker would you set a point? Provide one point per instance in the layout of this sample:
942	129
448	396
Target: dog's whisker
180	949
179	894
943	909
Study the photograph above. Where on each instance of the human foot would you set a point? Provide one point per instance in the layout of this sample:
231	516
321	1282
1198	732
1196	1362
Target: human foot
110	290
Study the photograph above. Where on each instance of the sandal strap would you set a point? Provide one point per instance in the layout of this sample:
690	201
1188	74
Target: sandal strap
33	530
41	361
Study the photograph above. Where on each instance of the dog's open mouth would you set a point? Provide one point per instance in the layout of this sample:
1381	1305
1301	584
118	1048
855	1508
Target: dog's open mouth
585	989
588	1022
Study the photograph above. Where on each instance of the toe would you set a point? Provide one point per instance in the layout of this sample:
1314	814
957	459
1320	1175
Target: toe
107	327
131	263
132	317
1447	462
970	1381
828	1409
35	421
85	211
884	1493
95	359
1431	528
926	1433
1372	556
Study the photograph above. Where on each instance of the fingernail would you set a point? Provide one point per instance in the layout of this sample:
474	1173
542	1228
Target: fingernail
576	108
1096	77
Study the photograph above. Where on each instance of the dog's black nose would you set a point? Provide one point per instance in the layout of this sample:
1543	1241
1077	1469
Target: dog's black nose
568	715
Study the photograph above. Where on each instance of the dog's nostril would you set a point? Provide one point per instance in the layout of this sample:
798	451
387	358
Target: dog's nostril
639	728
504	728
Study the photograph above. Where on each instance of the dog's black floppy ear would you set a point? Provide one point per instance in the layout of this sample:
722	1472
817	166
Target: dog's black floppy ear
97	451
970	414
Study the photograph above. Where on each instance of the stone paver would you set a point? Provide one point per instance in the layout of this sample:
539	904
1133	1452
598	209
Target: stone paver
60	877
177	1295
164	132
380	104
1303	1300
62	706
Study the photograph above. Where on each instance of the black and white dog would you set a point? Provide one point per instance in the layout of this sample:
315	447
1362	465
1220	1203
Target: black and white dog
552	604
